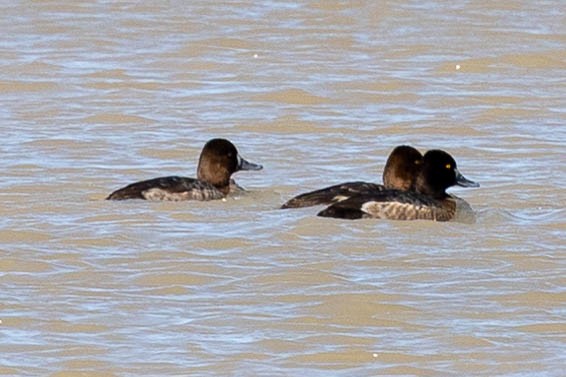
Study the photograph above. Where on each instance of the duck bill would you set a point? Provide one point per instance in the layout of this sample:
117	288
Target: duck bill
246	165
464	182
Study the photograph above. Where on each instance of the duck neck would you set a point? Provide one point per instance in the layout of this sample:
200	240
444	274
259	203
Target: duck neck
225	189
427	187
219	178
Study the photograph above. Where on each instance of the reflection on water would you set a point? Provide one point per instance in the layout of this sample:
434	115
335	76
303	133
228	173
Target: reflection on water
98	94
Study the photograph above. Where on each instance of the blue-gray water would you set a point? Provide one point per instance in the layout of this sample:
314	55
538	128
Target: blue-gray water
96	95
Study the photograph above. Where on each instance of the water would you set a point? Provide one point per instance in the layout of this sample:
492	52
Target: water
96	95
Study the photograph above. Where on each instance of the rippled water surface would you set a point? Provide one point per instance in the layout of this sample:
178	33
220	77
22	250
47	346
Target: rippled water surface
96	95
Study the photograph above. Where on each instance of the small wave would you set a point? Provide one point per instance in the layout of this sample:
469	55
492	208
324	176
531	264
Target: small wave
523	216
116	118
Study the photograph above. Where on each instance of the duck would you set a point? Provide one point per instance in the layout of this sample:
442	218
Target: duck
428	200
219	159
399	173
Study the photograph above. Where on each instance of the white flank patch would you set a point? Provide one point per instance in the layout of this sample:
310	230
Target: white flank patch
390	210
375	209
339	198
160	194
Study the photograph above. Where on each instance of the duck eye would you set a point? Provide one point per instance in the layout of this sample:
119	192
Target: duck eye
448	166
417	162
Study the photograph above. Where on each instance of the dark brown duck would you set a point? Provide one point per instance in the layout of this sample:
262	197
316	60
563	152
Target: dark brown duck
400	173
218	160
429	200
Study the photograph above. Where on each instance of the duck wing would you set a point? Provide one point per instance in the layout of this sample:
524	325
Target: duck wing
172	188
332	194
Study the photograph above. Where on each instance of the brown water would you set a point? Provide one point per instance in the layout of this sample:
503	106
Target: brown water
99	94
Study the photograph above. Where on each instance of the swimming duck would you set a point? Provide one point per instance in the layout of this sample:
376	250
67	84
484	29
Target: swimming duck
218	160
400	173
429	200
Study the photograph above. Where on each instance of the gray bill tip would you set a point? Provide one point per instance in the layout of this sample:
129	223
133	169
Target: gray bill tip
465	182
246	165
